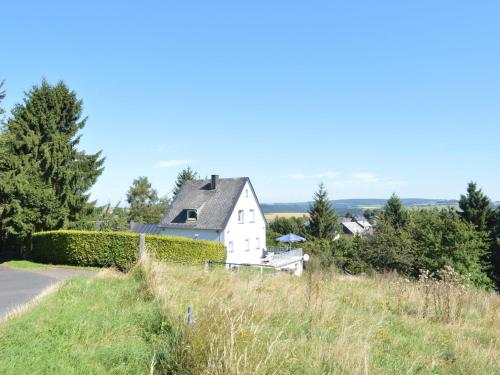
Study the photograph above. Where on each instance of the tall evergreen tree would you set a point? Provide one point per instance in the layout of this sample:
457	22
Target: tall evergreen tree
475	207
322	217
44	177
394	212
145	205
186	174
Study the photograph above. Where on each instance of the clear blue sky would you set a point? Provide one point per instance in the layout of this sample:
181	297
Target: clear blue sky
371	97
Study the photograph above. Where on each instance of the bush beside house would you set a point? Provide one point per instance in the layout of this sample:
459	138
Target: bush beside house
118	249
179	249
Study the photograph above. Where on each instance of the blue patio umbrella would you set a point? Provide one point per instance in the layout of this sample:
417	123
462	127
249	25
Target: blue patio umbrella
290	238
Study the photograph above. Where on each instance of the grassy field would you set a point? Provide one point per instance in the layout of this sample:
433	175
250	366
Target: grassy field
248	323
105	325
320	324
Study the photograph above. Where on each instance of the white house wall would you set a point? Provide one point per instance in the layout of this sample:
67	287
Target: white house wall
237	233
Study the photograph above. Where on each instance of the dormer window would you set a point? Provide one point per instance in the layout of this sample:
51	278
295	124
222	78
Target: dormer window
191	215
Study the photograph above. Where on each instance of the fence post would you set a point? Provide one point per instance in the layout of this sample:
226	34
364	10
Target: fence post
142	244
190	316
208	265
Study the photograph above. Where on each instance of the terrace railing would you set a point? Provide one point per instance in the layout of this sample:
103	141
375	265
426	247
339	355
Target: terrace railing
283	253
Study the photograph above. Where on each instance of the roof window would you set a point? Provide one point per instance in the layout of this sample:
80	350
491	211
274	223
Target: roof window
191	215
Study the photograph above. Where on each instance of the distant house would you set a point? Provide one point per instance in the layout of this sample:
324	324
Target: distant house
357	226
224	210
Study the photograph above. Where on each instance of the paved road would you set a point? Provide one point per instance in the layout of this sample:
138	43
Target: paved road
18	287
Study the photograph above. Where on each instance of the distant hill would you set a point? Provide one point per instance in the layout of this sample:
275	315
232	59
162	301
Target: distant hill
357	206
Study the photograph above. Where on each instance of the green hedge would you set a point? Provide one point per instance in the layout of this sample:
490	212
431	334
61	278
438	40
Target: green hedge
181	249
119	249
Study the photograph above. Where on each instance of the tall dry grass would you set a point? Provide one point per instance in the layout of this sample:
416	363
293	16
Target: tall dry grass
248	323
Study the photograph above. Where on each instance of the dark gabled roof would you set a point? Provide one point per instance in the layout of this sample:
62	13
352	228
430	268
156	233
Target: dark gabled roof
145	228
213	207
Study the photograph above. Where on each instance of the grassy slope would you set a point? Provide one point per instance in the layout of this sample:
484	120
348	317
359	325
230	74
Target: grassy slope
107	325
319	324
30	265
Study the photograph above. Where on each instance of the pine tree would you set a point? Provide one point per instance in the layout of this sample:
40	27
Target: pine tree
145	205
475	207
322	218
44	178
186	174
394	212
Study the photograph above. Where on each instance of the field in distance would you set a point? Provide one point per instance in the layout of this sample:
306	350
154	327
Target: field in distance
355	206
273	215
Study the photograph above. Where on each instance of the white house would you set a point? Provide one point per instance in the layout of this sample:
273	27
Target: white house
225	210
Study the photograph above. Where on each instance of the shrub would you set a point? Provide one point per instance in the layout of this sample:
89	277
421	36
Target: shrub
285	225
118	249
86	248
346	253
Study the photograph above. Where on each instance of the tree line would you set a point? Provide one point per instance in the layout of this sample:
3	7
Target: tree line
144	206
407	241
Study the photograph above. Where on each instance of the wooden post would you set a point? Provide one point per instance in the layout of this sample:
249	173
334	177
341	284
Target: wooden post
142	244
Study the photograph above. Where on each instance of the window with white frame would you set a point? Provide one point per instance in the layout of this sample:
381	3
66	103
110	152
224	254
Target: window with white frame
241	216
252	216
230	247
191	215
257	242
246	193
247	245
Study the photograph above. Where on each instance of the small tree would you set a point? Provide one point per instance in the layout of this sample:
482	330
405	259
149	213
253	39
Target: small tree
394	212
475	207
322	217
186	174
495	245
145	205
112	219
2	96
284	225
106	218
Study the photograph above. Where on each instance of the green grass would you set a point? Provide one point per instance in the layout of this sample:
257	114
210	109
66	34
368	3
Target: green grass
104	325
30	265
26	265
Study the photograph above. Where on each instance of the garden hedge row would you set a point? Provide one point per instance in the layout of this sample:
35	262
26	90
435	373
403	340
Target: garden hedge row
118	249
